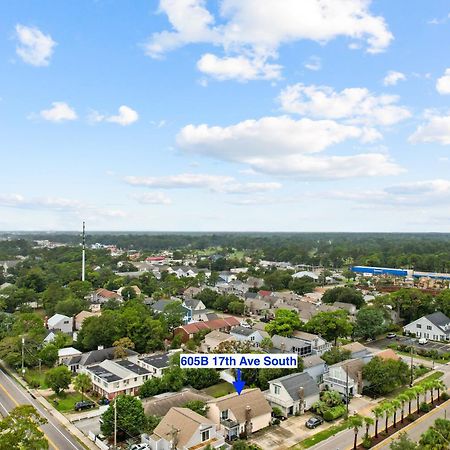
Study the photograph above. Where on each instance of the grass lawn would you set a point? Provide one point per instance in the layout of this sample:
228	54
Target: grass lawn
221	389
66	401
34	377
320	436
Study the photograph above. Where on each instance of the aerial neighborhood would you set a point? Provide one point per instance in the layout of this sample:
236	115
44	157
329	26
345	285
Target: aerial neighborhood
106	348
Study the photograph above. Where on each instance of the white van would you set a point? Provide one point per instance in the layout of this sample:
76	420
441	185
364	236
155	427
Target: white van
422	341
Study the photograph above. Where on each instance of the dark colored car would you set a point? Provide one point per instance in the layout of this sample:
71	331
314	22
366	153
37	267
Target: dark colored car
103	401
314	422
87	404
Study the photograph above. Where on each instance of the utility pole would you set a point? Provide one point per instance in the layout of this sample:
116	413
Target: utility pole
346	388
412	367
23	355
115	423
83	254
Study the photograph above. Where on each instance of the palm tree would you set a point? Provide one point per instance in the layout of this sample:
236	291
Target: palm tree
395	405
426	386
378	411
355	422
368	421
411	396
403	398
439	385
82	383
418	390
388	409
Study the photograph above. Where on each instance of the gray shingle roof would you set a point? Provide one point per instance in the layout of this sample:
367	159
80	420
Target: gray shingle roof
159	360
292	383
439	319
243	331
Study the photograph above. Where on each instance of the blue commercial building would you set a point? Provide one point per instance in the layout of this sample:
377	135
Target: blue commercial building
399	272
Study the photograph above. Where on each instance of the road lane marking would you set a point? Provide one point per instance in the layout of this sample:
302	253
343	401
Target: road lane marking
18	404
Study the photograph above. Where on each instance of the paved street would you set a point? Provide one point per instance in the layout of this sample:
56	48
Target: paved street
440	347
12	395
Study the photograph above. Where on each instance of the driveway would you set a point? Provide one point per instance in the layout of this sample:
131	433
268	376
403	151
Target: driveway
293	430
89	425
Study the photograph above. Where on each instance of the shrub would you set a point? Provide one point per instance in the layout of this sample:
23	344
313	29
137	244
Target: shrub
276	422
277	411
367	442
444	396
425	407
334	413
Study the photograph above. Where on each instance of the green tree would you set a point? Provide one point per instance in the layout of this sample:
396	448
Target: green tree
49	355
131	420
82	383
266	344
80	289
355	422
344	295
368	422
437	437
370	322
58	379
198	406
403	442
128	293
121	347
201	378
284	324
174	314
385	375
19	430
331	325
335	355
302	285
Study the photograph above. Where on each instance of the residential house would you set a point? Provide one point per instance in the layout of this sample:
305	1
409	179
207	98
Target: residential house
435	327
293	394
318	345
66	354
60	322
251	335
184	429
135	288
120	377
315	366
103	295
240	414
82	316
223	324
282	344
350	308
197	310
357	350
155	364
345	376
160	305
254	283
78	362
256	306
213	339
191	292
306	273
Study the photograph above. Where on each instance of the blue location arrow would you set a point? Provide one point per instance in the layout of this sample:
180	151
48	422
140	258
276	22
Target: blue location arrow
238	384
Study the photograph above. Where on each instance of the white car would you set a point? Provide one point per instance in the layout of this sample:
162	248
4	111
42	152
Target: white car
245	325
422	341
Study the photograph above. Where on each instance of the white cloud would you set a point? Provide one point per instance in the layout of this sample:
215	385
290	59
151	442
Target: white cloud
59	204
59	112
313	63
282	145
215	183
244	29
153	198
35	47
443	83
437	129
125	117
238	68
356	105
393	77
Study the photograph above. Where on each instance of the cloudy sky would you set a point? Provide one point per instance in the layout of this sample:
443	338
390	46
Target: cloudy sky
274	115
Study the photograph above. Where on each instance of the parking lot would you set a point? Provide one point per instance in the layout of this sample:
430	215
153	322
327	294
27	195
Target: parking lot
440	347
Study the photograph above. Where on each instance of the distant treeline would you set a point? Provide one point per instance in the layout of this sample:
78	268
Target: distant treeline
429	252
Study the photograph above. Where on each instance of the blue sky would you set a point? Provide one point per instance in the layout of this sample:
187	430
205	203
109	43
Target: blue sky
228	115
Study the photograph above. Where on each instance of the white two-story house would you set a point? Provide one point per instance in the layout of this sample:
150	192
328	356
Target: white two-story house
435	327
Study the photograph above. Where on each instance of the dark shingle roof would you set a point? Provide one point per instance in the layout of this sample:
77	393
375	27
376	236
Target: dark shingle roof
242	331
292	383
97	356
104	374
438	318
132	367
159	361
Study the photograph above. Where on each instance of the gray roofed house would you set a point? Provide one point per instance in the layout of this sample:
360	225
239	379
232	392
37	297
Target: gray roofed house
283	344
251	335
93	357
156	363
315	366
293	394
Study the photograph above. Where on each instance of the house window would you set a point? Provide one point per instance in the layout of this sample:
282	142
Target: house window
224	414
418	325
205	435
276	389
428	327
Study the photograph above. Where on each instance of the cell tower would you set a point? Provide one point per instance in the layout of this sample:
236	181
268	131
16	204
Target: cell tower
83	254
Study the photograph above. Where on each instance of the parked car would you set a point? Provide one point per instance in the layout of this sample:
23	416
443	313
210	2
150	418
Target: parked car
87	404
391	335
314	422
140	447
422	341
